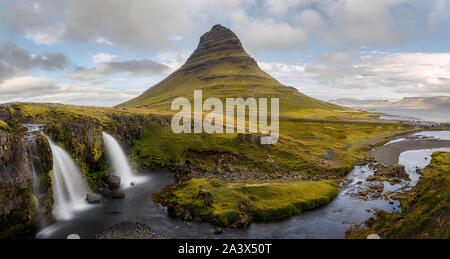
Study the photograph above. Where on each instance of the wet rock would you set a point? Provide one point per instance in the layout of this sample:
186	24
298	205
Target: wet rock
373	236
187	216
129	230
113	181
206	197
241	221
378	187
395	170
218	230
107	193
249	138
118	195
93	198
269	159
73	236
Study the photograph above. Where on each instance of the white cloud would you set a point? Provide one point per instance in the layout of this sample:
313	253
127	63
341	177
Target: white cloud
367	22
102	40
381	75
128	68
103	57
440	11
278	7
174	59
129	23
45	35
43	89
266	33
310	19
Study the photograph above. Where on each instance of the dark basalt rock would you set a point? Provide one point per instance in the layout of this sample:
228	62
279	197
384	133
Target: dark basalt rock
93	198
113	181
16	207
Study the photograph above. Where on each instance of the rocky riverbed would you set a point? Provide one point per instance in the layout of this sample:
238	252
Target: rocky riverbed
129	230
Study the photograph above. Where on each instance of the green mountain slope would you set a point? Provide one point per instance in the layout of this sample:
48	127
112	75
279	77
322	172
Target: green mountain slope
222	68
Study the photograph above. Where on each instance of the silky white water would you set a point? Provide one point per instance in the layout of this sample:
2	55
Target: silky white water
69	187
119	162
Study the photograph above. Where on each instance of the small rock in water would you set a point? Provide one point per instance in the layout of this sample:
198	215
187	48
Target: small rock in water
132	184
113	181
373	236
107	193
73	236
118	195
93	198
218	230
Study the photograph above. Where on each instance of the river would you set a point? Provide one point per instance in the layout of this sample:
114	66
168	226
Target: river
328	221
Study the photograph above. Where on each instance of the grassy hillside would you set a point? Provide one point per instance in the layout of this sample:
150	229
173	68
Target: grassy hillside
425	211
304	146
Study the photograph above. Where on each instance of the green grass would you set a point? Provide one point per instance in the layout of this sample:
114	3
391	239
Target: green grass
60	112
425	212
4	126
270	200
301	144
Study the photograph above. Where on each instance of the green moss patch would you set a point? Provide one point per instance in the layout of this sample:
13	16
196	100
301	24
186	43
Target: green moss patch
4	126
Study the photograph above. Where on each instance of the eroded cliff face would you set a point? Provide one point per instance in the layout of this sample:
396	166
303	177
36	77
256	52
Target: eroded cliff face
16	206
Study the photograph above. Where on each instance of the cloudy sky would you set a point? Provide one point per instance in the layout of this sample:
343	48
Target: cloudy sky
102	52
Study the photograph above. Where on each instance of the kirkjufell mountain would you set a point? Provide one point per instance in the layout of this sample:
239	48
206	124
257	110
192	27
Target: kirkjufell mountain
222	68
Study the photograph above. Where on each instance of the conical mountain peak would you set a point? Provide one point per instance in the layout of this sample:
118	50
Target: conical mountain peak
220	43
221	68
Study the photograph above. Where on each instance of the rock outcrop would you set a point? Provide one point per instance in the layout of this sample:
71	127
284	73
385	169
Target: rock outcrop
16	207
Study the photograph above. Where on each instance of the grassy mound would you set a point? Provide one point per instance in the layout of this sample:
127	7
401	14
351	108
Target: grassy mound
257	200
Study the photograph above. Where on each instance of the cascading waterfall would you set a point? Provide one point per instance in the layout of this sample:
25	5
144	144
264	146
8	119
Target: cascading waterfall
69	187
119	161
35	165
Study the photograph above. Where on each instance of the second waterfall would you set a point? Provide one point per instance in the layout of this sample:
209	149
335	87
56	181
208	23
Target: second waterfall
69	187
119	161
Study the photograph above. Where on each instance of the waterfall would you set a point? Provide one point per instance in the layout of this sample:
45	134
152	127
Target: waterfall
119	161
69	187
35	166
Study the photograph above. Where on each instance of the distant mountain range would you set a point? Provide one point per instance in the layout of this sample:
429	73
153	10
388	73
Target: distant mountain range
435	102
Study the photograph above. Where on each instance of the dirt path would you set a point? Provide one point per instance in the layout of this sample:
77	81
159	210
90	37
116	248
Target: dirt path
380	138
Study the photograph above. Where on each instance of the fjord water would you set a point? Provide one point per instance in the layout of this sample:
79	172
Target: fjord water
411	114
329	221
119	161
69	186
